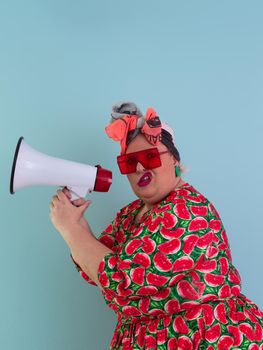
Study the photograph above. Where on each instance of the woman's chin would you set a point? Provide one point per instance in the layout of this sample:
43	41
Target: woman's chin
146	193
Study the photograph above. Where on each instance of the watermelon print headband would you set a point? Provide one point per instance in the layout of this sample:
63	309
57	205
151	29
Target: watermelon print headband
127	122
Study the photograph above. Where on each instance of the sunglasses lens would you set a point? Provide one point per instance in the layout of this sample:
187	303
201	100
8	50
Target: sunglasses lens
127	163
149	158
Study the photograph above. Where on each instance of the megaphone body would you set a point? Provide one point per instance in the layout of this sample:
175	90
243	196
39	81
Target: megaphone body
31	167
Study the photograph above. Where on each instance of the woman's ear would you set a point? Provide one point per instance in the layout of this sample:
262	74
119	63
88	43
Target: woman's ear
175	161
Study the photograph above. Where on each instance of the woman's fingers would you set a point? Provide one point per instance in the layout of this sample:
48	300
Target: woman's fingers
54	199
78	202
60	197
67	192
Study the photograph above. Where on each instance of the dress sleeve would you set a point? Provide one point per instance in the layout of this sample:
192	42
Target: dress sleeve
173	243
108	239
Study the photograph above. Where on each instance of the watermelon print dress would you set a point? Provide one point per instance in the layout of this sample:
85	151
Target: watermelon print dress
171	282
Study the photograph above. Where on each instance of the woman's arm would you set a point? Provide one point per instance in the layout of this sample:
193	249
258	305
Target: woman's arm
86	250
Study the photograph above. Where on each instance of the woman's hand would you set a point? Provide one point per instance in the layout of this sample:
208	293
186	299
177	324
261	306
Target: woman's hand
77	202
66	216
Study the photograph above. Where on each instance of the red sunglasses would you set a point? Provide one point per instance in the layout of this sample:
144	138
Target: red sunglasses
149	158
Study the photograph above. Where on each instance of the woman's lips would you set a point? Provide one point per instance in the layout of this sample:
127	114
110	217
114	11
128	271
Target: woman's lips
145	179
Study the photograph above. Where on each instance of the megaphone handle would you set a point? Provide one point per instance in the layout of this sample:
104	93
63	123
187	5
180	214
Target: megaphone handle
77	192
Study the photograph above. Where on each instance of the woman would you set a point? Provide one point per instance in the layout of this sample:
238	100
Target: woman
164	263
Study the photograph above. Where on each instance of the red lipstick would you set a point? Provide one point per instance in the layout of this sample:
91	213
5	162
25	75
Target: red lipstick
145	179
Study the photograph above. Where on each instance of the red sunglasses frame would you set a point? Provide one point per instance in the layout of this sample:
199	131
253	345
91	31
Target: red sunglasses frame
140	157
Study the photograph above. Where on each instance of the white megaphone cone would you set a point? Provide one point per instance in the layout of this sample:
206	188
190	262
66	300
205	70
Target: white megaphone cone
31	167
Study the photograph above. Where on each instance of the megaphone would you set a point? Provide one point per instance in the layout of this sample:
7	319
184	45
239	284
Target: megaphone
31	167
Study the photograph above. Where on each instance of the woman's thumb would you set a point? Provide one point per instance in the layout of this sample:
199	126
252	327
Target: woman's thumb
84	206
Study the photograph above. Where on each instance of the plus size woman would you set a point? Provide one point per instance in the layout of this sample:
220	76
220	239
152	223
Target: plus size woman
164	263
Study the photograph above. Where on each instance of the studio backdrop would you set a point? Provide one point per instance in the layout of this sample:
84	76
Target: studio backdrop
62	66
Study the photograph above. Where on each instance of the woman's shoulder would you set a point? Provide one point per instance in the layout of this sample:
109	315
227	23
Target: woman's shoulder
188	193
130	207
193	199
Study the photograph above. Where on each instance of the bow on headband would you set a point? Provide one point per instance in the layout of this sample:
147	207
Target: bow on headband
126	117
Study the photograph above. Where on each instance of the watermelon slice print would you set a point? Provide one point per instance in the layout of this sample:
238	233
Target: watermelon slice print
185	343
186	290
176	279
180	326
156	312
107	240
197	224
183	264
212	252
124	264
196	339
199	210
169	220
144	305
156	280
225	342
150	342
162	336
220	313
170	247
224	266
215	225
142	259
193	313
154	224
258	332
213	333
205	266
132	246
120	236
224	291
181	210
235	332
147	291
162	263
234	277
247	330
205	240
235	290
123	291
104	279
170	234
153	326
121	301
189	243
208	312
172	344
172	306
162	294
137	275
149	245
141	336
214	280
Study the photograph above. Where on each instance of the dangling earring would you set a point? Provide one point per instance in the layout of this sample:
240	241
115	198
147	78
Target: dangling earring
177	171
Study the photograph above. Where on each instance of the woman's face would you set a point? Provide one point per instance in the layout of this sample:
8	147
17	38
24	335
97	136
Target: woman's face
152	185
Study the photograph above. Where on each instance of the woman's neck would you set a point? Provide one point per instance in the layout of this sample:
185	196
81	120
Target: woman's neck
147	206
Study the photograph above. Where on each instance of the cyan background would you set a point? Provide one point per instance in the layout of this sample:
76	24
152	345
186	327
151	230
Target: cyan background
62	66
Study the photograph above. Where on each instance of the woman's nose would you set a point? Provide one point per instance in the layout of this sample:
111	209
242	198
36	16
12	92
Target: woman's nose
139	167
